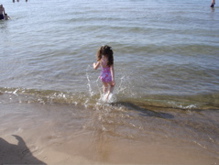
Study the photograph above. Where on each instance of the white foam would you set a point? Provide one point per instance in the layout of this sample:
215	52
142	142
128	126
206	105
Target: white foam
111	98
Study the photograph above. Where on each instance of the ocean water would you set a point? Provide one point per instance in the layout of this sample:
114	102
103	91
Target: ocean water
166	62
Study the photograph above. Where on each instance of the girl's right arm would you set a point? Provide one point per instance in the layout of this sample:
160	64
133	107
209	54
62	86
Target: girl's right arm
96	65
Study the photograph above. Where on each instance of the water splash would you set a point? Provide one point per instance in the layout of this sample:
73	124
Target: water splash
91	92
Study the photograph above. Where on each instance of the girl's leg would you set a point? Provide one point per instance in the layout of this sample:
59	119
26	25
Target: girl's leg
110	90
111	87
105	87
105	91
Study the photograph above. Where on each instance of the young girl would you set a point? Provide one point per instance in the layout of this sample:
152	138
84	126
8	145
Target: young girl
105	60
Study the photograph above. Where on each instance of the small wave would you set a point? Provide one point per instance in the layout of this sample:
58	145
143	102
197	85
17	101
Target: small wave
41	96
180	106
21	95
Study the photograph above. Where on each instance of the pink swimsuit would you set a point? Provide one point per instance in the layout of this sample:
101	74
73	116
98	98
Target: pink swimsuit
105	75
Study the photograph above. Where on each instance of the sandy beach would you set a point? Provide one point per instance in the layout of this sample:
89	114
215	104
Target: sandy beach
50	134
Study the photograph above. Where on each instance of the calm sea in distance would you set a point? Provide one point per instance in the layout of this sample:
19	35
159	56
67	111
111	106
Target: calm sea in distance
166	55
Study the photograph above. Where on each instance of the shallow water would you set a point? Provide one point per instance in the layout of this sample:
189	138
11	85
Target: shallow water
166	64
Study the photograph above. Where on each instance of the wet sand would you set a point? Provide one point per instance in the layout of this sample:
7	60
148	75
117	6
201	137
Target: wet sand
64	134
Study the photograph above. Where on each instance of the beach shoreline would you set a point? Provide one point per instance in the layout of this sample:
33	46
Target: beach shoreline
54	134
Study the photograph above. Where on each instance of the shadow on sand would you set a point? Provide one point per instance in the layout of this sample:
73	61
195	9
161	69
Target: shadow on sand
144	111
16	154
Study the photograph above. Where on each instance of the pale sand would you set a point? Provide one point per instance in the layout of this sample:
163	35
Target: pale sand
42	134
82	151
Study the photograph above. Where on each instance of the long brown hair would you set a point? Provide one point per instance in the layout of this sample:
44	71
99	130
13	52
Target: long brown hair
106	51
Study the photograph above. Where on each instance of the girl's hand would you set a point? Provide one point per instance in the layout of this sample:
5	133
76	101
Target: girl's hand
96	65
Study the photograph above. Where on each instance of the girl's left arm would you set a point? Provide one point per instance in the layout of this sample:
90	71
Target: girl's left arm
112	74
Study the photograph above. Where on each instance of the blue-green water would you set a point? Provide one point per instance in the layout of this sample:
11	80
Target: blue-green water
166	55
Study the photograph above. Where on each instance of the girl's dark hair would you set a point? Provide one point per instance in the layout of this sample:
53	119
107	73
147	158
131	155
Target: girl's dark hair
106	51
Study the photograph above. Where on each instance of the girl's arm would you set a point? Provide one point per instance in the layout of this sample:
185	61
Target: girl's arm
112	74
96	65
